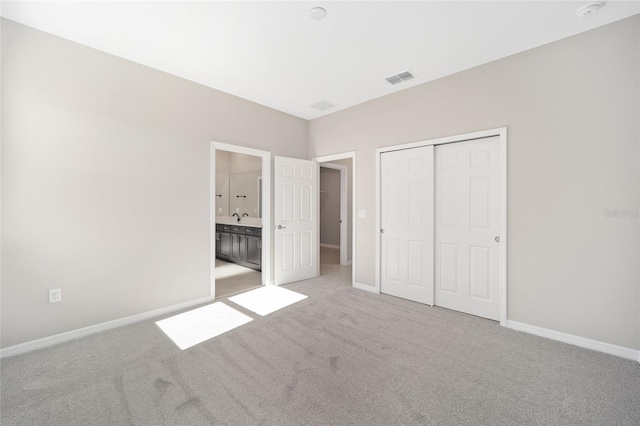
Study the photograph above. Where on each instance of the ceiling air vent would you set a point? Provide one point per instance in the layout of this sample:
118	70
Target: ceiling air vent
399	78
322	105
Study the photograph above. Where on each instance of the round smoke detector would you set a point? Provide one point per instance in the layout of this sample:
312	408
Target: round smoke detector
317	13
589	9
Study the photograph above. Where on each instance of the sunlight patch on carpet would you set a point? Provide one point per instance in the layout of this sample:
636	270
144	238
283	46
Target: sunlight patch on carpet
195	326
268	299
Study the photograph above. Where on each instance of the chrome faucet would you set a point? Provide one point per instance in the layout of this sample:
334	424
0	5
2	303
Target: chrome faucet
237	215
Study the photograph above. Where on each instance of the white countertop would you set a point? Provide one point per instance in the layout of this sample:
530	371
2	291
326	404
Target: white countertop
253	222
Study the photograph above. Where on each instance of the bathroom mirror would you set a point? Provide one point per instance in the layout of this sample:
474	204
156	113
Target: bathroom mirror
245	193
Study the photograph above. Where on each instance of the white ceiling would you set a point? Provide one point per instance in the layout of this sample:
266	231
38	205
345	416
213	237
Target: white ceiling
272	53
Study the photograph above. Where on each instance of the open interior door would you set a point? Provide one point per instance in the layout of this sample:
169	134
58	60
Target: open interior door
296	219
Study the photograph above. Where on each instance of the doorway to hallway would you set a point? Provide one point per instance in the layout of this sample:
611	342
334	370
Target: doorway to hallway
336	216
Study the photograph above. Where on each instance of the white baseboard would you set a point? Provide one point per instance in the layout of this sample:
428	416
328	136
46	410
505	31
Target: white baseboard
93	329
365	287
583	342
331	246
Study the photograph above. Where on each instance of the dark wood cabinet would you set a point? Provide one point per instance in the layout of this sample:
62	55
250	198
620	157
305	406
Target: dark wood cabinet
254	251
224	248
238	248
239	244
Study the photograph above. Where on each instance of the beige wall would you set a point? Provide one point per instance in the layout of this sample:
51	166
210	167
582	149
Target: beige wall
105	182
244	163
572	110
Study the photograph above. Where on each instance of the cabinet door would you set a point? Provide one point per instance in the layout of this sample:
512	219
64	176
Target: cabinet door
238	248
225	245
254	252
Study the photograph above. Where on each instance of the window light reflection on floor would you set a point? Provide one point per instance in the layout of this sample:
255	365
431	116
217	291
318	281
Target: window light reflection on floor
201	324
268	299
230	270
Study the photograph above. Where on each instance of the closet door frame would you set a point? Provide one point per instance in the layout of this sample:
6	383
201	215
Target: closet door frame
501	133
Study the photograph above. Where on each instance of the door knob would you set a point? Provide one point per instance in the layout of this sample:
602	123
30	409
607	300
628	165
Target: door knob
282	227
497	239
382	231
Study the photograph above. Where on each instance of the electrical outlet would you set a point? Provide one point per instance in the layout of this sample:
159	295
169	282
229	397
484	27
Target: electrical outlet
55	295
362	214
220	210
237	210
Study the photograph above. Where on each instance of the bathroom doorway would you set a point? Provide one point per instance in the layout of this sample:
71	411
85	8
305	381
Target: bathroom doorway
240	181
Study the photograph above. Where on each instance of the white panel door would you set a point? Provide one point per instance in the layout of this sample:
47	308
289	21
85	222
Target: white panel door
406	222
467	224
296	219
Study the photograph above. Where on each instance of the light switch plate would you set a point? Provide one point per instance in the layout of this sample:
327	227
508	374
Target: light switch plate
362	214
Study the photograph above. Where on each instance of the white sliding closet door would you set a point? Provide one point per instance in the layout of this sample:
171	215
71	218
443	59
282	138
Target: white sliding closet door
467	227
406	220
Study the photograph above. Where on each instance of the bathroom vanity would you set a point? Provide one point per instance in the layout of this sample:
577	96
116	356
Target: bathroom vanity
239	243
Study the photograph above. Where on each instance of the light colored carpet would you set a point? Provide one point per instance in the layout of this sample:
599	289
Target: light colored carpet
340	356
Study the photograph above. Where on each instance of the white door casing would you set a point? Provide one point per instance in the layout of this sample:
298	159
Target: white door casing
406	223
467	261
296	219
